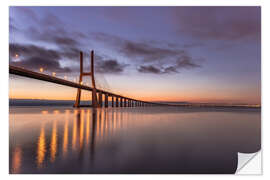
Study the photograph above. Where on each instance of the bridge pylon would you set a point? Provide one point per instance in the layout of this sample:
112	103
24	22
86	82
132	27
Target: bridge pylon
95	103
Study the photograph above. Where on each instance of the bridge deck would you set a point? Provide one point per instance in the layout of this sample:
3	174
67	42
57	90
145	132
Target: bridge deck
44	77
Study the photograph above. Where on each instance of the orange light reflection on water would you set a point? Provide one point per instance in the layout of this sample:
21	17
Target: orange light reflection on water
74	131
87	127
81	129
16	160
53	145
102	124
65	136
41	148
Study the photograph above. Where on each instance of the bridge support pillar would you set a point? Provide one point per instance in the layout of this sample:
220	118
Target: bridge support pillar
100	99
125	102
106	100
116	101
112	101
121	102
78	98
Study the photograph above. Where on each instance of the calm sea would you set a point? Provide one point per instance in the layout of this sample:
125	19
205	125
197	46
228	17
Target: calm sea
61	139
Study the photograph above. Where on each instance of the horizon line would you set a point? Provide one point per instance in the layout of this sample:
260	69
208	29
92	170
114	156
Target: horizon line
182	102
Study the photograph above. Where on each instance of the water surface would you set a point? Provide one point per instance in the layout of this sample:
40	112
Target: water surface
131	140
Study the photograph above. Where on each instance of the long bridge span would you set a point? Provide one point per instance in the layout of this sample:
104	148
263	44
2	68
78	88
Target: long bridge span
97	94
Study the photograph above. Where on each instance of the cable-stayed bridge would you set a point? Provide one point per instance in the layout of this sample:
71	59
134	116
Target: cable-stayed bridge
117	100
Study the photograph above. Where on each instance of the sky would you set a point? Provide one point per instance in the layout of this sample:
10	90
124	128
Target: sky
179	54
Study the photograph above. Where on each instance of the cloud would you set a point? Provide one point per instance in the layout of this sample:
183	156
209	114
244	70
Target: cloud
27	13
218	23
148	52
57	36
70	53
183	62
34	57
171	69
52	30
51	20
37	62
49	29
32	50
186	62
157	70
150	57
149	69
110	66
142	51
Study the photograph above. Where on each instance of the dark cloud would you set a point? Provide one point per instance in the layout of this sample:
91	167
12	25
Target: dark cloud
186	62
50	20
110	66
70	53
50	29
218	23
170	69
149	69
32	50
155	59
148	52
142	51
166	57
182	63
37	62
68	43
157	70
56	36
34	57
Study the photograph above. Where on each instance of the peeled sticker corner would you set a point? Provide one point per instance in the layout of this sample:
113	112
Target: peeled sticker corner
249	163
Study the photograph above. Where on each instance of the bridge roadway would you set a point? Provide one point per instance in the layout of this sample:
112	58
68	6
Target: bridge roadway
44	77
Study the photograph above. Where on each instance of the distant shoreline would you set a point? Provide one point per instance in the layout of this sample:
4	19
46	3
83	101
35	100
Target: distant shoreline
43	102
